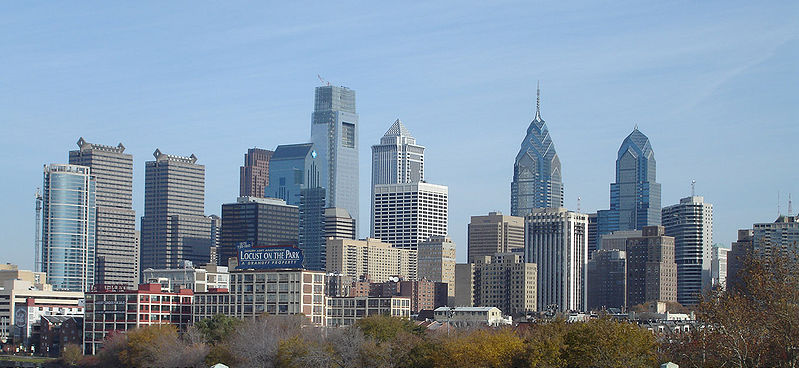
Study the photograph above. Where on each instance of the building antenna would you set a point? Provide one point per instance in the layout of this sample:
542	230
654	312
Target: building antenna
578	203
538	100
693	188
790	205
779	205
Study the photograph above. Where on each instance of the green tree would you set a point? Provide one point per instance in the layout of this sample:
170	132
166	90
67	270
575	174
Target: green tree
385	328
217	328
479	348
605	342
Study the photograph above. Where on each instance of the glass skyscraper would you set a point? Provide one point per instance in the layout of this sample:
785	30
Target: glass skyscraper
68	227
635	196
294	176
334	133
537	181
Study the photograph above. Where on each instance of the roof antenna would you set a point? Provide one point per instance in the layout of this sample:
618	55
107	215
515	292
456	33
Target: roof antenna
790	205
538	100
693	188
779	205
578	204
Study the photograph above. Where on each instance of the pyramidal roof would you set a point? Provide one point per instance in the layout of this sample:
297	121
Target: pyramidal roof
638	139
397	130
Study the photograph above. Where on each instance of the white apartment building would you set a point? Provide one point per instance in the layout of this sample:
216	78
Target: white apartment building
406	214
379	260
691	224
345	311
199	279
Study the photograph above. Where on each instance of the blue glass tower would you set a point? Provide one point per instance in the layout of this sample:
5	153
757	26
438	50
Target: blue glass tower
294	176
334	133
68	227
537	181
635	196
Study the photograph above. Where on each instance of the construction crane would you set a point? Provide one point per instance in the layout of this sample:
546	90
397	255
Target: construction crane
322	80
37	258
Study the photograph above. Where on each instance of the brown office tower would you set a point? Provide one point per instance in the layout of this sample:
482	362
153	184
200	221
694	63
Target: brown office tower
494	233
737	256
651	269
254	175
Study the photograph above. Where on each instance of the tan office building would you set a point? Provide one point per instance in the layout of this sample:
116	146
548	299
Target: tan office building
436	261
494	233
372	257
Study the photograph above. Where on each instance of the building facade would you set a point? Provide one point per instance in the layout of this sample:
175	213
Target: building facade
117	309
466	279
278	292
397	159
470	316
607	279
651	267
691	224
494	233
718	266
339	224
736	258
334	133
537	181
261	221
556	241
436	262
344	311
508	283
174	227
772	238
254	175
116	249
406	214
197	279
370	258
635	196
69	227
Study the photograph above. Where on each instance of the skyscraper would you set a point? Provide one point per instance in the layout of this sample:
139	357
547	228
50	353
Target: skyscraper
294	176
607	279
771	238
537	181
736	257
406	214
691	224
174	227
334	133
261	221
635	196
437	262
116	247
397	159
556	241
494	233
68	227
651	270
254	175
339	224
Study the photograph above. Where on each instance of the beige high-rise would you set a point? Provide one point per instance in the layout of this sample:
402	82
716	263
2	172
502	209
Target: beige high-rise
436	261
379	260
494	233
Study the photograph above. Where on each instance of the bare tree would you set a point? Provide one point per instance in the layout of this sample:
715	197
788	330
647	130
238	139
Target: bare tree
256	341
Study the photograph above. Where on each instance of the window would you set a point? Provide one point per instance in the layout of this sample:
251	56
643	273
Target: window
348	135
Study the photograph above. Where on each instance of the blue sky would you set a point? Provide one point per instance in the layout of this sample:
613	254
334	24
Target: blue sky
713	84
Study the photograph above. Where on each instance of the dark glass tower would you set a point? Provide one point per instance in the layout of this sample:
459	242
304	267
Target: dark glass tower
635	196
537	181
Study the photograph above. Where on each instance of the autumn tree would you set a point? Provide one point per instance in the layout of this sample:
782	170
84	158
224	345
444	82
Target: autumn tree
71	354
479	348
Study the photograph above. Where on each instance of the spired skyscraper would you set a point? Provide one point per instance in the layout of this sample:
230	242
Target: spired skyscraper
397	159
537	181
334	133
635	196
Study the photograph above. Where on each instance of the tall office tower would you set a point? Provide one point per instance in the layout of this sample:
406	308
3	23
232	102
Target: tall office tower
739	250
651	270
593	237
216	233
116	248
312	228
254	175
718	266
69	227
618	239
772	238
556	241
508	283
691	224
537	181
406	214
295	177
397	159
437	262
174	227
635	196
334	133
339	224
607	279
494	233
372	257
261	221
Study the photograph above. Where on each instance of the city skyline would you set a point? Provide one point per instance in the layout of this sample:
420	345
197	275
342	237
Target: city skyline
588	113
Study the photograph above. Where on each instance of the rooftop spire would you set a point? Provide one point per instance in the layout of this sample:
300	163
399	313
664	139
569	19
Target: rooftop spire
538	100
